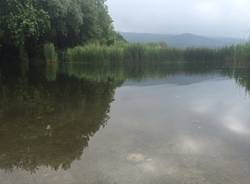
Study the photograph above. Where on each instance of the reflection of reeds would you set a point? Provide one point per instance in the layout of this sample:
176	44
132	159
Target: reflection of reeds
51	70
50	53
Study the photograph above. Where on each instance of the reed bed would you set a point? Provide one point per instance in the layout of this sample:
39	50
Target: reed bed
93	52
153	52
122	52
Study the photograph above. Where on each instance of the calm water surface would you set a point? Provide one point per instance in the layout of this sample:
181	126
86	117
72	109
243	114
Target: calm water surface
78	125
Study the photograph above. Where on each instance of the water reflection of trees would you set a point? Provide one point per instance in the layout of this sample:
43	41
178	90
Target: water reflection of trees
46	123
47	120
141	71
241	75
238	73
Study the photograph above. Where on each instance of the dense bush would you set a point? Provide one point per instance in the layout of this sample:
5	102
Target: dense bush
65	23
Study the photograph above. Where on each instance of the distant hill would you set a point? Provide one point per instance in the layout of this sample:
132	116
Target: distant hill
182	40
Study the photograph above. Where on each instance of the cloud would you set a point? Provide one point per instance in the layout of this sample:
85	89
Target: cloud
206	17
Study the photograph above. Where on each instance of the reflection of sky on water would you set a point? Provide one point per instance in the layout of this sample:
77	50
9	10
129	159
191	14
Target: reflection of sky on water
186	137
154	137
189	146
198	127
236	125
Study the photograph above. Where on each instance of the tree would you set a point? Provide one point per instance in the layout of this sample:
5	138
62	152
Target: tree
66	23
22	23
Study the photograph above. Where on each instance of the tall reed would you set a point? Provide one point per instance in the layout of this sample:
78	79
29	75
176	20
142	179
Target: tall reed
94	53
137	54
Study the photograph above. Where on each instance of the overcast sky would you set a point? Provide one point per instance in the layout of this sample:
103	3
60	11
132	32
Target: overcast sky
229	18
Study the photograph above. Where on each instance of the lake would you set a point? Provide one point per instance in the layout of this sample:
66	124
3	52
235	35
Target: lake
82	124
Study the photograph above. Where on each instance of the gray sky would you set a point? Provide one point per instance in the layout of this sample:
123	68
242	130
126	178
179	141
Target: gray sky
205	17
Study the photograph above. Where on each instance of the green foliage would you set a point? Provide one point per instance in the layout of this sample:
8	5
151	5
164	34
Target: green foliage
242	52
137	54
22	22
122	51
95	52
65	23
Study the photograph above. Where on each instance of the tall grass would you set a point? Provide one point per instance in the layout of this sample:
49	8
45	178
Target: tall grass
122	52
241	52
154	52
94	52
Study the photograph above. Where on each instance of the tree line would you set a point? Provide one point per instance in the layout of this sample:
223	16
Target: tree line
28	24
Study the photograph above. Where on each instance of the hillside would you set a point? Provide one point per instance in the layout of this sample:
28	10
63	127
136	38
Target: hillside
182	40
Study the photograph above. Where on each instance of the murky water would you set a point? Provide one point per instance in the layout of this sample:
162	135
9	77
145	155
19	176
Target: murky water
79	125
